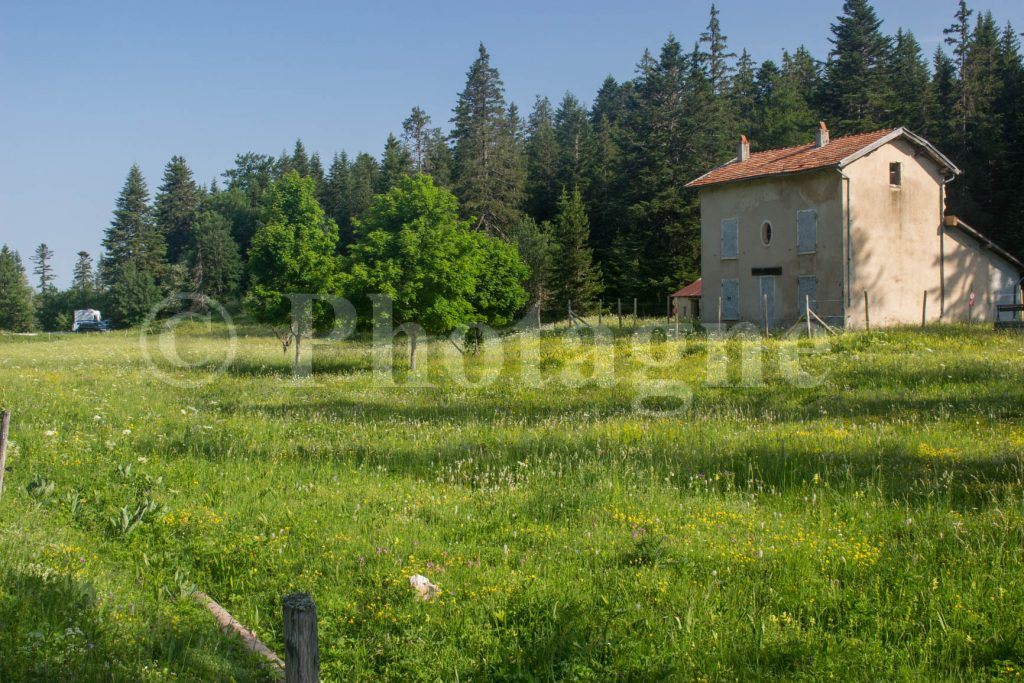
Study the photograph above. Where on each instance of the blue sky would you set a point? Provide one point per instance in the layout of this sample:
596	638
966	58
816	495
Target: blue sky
89	88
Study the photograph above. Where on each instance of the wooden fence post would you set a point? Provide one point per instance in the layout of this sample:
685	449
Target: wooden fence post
5	423
634	313
668	309
539	325
600	311
867	312
301	651
807	313
766	315
924	308
569	311
677	323
620	313
719	313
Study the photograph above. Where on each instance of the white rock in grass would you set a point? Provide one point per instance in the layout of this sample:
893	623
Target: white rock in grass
425	590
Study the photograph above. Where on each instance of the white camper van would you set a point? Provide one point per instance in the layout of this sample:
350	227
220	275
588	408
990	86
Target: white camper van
86	319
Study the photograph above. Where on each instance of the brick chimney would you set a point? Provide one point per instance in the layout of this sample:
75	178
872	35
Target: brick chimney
743	151
821	135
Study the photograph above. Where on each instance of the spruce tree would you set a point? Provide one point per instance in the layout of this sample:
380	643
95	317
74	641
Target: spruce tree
912	105
856	78
575	144
176	207
316	169
43	270
487	168
133	262
395	164
333	194
17	312
542	162
365	178
83	278
437	162
216	266
574	277
716	56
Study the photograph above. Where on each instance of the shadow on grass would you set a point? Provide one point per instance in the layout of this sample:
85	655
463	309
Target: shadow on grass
52	628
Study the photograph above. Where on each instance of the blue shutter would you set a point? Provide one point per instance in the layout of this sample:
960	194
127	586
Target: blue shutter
807	231
730	299
730	238
807	286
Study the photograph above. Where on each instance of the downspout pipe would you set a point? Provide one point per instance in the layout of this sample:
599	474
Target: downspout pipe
942	243
849	240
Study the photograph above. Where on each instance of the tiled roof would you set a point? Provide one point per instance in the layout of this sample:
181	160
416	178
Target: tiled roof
689	291
790	159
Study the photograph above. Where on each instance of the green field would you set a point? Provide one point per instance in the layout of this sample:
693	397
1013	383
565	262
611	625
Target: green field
870	526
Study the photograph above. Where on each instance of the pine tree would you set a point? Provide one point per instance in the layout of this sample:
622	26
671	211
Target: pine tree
333	194
364	179
83	279
414	138
574	276
575	144
316	169
299	160
216	266
534	244
542	162
785	113
437	161
487	168
133	263
743	94
856	77
912	104
43	270
606	195
716	57
396	163
17	312
176	207
958	36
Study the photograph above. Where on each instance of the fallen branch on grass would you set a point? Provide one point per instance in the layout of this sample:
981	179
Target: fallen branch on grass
229	623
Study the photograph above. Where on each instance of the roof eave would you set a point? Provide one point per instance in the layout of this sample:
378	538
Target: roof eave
937	156
955	222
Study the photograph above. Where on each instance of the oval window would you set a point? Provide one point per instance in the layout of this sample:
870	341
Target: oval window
766	233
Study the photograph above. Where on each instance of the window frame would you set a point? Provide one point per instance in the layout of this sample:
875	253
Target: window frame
770	232
897	167
725	311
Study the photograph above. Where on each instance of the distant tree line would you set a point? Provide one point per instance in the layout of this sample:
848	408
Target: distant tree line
591	199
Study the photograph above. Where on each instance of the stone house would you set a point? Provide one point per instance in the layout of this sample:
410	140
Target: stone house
824	222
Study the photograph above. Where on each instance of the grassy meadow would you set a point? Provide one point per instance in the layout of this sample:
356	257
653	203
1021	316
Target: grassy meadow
868	526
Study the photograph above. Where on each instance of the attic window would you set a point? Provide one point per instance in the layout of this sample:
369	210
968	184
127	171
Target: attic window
895	174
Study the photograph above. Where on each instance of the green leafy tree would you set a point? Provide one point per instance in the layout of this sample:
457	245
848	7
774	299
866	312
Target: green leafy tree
533	241
176	207
489	170
292	254
412	246
17	312
574	276
43	270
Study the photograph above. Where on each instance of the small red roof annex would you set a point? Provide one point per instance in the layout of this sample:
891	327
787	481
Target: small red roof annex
690	291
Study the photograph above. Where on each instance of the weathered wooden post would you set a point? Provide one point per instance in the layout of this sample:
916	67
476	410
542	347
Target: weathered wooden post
867	312
634	313
807	313
620	313
600	311
539	326
668	309
5	423
924	308
301	651
766	315
568	305
719	313
677	323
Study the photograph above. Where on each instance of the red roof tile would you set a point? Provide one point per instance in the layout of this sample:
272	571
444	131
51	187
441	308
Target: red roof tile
790	159
691	290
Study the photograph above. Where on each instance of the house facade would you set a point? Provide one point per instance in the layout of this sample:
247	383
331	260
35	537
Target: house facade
821	224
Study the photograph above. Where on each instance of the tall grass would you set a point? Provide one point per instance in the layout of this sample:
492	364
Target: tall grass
868	527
